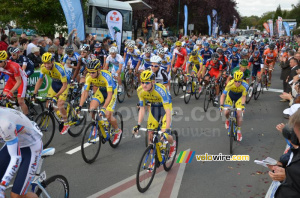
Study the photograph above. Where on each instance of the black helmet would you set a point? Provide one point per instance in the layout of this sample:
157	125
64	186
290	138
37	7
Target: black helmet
272	46
215	55
93	65
220	51
194	53
69	49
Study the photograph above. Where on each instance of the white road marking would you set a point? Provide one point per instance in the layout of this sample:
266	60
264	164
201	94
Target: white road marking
79	147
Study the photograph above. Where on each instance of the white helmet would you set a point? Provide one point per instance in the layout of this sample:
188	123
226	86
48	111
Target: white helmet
198	42
156	42
131	44
160	50
113	50
148	50
155	59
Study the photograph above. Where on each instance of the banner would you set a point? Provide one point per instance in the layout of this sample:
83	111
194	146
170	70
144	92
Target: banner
185	20
74	16
209	24
270	22
266	26
215	23
114	22
287	28
235	21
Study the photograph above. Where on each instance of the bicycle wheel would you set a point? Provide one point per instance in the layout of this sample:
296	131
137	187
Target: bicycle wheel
55	186
119	119
129	84
169	163
206	99
91	143
197	92
187	96
249	94
231	136
213	96
263	78
76	124
46	123
256	91
144	176
176	85
121	96
146	138
34	110
266	82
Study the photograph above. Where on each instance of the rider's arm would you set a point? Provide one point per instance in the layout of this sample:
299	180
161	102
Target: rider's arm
141	114
83	97
108	99
38	84
17	85
137	66
77	69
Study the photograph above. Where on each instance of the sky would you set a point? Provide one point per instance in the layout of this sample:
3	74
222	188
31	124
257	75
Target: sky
258	7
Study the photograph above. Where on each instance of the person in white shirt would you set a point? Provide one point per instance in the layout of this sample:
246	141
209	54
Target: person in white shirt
155	28
34	42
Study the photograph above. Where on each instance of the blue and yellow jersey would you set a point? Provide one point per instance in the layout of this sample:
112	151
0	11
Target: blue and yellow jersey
158	95
104	81
196	60
57	73
236	90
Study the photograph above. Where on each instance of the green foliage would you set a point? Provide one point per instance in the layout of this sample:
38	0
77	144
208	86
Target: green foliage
278	13
35	14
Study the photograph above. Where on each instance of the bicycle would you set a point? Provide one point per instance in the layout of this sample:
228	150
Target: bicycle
265	79
210	93
253	90
155	155
50	115
55	186
192	88
92	139
131	81
120	95
178	81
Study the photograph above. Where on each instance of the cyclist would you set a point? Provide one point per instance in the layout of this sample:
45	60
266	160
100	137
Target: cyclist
234	58
161	75
100	53
25	63
106	92
17	80
181	54
83	60
196	61
235	90
227	52
72	56
59	88
133	54
214	45
22	151
161	107
206	53
165	63
258	64
215	70
261	49
243	68
117	62
270	59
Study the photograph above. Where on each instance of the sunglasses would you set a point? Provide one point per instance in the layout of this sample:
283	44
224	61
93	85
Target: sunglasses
1	61
155	66
92	72
146	83
238	81
70	54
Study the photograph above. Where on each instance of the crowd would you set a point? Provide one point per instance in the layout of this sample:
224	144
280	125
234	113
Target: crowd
152	27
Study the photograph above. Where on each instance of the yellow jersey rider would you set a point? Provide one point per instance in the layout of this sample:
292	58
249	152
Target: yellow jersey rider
161	107
59	87
236	90
106	90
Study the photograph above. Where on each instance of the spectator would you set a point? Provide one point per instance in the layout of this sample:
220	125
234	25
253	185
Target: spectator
155	28
34	42
297	56
48	43
56	43
74	40
14	43
4	42
105	45
294	67
42	45
144	29
161	25
62	40
290	187
35	57
24	43
149	26
285	71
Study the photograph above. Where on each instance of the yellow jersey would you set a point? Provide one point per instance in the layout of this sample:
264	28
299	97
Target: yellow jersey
104	81
196	60
236	90
158	96
57	73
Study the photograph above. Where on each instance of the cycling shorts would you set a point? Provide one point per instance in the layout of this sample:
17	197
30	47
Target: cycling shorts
255	70
269	62
230	97
30	158
101	95
54	89
22	88
155	115
214	73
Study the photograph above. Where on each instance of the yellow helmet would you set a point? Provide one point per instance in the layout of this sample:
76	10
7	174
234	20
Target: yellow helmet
3	55
178	44
47	57
147	75
238	75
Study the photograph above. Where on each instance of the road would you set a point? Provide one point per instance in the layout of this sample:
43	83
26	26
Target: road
112	174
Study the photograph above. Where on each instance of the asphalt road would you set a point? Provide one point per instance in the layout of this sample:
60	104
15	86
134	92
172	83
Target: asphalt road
198	131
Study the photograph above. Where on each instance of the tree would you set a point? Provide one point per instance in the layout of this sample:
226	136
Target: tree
278	13
45	16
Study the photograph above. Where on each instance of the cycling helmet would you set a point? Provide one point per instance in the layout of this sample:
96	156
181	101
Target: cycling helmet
15	50
160	51
127	42
47	57
147	75
97	45
198	42
148	50
238	75
156	42
85	48
224	45
206	45
158	46
3	55
130	45
113	50
69	49
230	43
178	44
155	59
244	52
215	56
262	43
193	53
220	51
93	65
272	46
238	42
283	49
244	63
247	43
256	54
213	41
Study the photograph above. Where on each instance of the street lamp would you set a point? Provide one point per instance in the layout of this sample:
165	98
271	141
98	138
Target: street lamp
178	18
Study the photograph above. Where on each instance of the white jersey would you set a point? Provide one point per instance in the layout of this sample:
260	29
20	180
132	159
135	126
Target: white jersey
27	132
115	61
